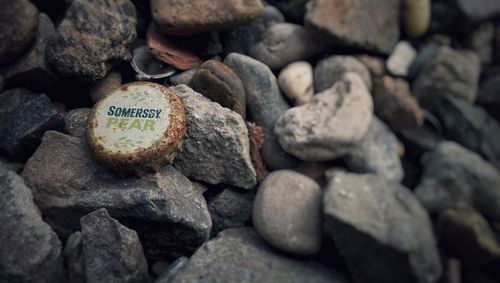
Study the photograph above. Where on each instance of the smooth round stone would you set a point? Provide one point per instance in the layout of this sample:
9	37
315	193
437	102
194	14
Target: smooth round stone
287	212
137	127
416	17
332	69
296	82
401	58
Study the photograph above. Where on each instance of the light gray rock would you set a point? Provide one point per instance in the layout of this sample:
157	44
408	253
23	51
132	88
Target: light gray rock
296	82
326	127
381	230
401	58
73	257
75	122
231	209
333	69
183	78
287	212
216	149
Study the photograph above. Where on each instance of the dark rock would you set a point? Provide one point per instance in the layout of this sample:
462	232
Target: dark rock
159	267
170	217
479	10
481	41
488	95
30	250
112	252
273	154
183	78
172	270
73	257
231	209
112	80
240	255
333	69
16	167
420	139
92	37
374	224
293	9
75	122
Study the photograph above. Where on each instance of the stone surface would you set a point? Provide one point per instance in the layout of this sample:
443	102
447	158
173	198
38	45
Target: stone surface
24	117
453	175
180	17
481	41
256	137
374	224
18	24
102	88
284	43
73	257
401	58
172	270
183	78
334	120
296	82
92	37
112	252
216	149
293	9
352	24
448	71
220	84
273	154
333	69
480	10
170	217
231	208
240	255
265	103
416	17
75	122
287	212
488	96
30	250
377	153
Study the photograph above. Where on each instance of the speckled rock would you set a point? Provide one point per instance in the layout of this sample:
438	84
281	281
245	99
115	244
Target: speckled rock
102	88
231	208
401	58
416	16
75	122
332	69
296	82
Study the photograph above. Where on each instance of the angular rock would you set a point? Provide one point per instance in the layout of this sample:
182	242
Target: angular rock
273	154
30	250
416	17
180	17
287	212
454	175
112	252
401	58
370	218
333	69
24	117
352	24
170	217
73	257
216	149
334	120
240	255
220	84
112	80
296	82
264	100
231	209
256	137
479	10
75	122
377	153
92	37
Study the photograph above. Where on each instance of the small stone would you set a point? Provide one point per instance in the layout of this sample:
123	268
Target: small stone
220	84
296	82
287	212
416	17
24	117
240	255
273	154
112	252
30	250
375	65
421	139
371	218
112	81
479	10
73	257
332	69
92	38
18	24
454	175
401	58
377	153
183	78
172	270
264	100
352	24
481	41
216	149
334	120
284	43
75	122
256	137
193	16
231	208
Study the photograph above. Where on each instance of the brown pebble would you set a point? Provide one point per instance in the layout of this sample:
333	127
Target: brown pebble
256	135
111	81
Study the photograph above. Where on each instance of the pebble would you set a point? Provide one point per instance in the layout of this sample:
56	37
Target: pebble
231	208
334	120
256	137
75	122
89	53
195	16
102	88
371	218
73	257
287	212
183	78
273	154
479	10
296	82
352	24
401	58
481	41
333	69
416	17
216	149
220	84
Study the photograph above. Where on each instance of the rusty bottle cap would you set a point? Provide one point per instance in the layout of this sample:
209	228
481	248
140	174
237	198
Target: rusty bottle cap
137	128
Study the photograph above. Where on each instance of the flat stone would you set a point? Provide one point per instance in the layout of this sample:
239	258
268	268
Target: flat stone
416	17
240	255
287	212
112	252
296	82
30	250
231	208
220	84
371	218
274	156
75	122
178	17
73	257
377	153
401	58
334	120
352	24
452	175
333	69
480	10
102	88
170	217
92	38
265	103
216	149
